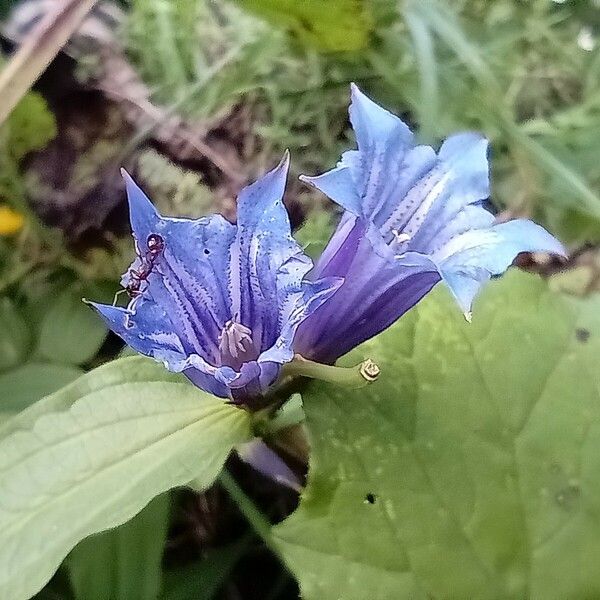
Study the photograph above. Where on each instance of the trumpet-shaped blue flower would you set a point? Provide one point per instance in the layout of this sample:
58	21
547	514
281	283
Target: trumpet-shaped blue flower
217	301
413	217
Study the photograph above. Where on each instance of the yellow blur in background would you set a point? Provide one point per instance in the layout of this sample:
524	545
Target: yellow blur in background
11	221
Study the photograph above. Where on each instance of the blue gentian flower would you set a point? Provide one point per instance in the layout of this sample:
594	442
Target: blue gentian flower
413	218
216	301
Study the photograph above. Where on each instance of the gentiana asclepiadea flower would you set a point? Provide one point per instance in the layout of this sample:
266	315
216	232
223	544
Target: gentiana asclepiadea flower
217	301
229	305
413	218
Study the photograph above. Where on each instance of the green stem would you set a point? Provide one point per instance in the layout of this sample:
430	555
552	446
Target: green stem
255	518
354	377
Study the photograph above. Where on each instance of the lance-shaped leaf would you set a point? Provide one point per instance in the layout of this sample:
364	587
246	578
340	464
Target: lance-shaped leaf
470	468
123	563
92	455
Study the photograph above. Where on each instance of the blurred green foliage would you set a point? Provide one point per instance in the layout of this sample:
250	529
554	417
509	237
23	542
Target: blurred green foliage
525	73
315	233
335	25
192	196
296	96
30	127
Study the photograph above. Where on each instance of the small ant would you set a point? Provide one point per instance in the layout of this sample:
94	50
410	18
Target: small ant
154	247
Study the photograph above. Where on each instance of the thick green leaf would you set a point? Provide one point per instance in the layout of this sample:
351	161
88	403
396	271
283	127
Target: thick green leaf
14	336
470	469
133	369
336	25
70	332
123	563
21	387
91	456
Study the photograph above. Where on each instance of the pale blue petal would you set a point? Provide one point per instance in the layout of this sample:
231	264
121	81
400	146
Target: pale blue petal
187	278
456	179
247	382
300	307
250	382
372	123
470	259
215	380
259	456
142	214
339	185
267	265
148	330
190	278
152	335
385	174
207	381
467	153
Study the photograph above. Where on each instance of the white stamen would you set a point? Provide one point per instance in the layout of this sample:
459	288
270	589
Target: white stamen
468	316
235	340
401	237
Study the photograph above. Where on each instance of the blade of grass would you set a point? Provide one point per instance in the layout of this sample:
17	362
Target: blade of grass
255	518
425	54
169	54
445	24
38	50
590	203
